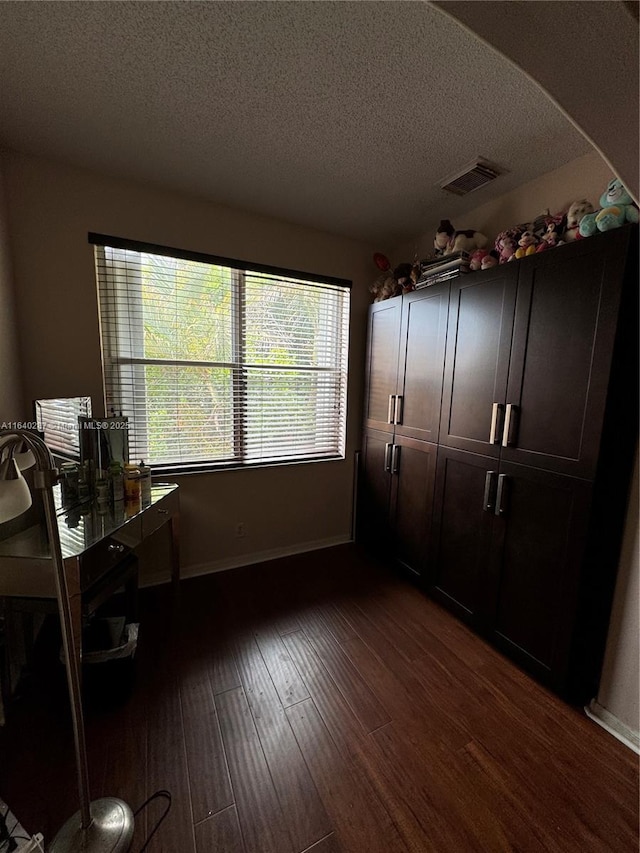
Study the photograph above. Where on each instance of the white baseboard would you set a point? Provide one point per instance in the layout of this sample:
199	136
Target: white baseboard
613	725
227	563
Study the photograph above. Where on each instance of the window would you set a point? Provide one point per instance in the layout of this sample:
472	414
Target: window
217	363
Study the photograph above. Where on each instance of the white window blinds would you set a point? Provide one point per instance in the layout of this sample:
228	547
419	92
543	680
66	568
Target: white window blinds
216	364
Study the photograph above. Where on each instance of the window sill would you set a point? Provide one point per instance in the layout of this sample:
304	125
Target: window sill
160	471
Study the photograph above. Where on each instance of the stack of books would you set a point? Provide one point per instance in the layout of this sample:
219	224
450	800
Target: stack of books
443	268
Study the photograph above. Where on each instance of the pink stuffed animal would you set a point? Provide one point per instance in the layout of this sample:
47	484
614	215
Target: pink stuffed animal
475	262
491	259
506	246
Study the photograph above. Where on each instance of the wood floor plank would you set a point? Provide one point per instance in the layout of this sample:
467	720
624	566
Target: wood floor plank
124	734
306	816
362	700
406	690
167	769
426	791
361	821
286	678
378	616
573	814
263	824
405	696
513	804
338	716
223	674
332	620
206	762
220	833
330	844
425	619
286	623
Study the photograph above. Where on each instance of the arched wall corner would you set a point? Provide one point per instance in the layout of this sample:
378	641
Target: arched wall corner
567	48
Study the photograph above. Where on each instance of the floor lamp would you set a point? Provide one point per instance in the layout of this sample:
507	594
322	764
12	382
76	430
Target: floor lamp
104	825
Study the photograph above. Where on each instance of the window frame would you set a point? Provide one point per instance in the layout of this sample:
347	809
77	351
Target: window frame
240	268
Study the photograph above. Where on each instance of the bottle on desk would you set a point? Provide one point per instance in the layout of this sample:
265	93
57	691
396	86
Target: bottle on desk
145	483
116	477
132	486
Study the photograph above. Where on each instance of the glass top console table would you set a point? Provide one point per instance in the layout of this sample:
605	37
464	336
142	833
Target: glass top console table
99	550
92	543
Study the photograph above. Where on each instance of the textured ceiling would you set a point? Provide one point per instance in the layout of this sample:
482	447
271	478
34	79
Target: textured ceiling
336	115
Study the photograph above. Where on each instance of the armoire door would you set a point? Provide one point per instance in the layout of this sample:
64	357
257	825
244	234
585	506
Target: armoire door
537	550
421	362
477	359
564	331
382	364
413	470
464	507
374	484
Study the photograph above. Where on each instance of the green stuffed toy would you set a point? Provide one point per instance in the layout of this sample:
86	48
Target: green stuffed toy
617	207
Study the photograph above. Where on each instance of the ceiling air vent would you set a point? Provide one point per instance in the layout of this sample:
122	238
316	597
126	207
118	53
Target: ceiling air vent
476	175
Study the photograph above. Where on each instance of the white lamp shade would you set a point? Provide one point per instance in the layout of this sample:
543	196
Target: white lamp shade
15	497
21	453
25	460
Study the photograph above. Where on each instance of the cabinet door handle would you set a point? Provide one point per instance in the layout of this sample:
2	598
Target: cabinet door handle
489	491
395	459
500	510
387	456
495	414
392	398
397	412
508	420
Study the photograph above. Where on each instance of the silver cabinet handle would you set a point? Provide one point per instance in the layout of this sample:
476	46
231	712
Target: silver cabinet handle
395	459
397	412
502	479
489	491
392	398
506	434
495	414
387	456
115	549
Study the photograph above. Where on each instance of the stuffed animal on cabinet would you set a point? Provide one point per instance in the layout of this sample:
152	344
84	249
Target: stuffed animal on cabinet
576	211
443	235
449	240
616	208
491	259
526	245
507	243
475	261
384	287
554	234
403	276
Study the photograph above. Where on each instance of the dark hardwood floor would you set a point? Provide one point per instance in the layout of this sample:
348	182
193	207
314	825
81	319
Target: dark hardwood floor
320	703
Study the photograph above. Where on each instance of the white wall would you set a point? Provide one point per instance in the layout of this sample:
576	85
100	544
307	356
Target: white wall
11	407
618	703
52	208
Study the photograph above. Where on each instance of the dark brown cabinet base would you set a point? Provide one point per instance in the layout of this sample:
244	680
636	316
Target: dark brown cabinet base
397	481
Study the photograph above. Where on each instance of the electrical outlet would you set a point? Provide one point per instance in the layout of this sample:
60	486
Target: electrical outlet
241	530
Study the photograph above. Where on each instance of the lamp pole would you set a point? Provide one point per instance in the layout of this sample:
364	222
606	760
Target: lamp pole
106	825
